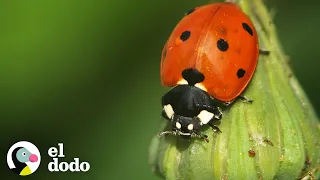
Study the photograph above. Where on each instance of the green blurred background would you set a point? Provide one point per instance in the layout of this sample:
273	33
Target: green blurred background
86	73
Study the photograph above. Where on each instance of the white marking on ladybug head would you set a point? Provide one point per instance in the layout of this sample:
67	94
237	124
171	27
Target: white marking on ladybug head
182	82
178	125
168	110
190	127
201	86
205	116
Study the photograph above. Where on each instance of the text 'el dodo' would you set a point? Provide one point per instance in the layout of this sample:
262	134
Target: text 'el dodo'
56	165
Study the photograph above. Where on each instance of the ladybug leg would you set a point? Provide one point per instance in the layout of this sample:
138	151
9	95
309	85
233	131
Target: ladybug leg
245	99
200	136
214	127
227	103
264	52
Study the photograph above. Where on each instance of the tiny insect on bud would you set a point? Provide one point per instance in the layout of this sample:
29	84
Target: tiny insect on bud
268	142
251	153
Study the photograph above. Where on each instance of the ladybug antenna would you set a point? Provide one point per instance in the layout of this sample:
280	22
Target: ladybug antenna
167	132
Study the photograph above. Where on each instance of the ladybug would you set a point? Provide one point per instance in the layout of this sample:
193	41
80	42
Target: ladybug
209	59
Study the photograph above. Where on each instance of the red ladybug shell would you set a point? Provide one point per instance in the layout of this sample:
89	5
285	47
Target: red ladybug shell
218	40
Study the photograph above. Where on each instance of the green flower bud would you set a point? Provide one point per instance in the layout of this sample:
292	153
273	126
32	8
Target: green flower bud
275	137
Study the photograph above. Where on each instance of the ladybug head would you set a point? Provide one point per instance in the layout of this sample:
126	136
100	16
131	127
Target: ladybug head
189	108
185	125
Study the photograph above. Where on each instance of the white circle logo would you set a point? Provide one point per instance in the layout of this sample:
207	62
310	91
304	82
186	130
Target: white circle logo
23	158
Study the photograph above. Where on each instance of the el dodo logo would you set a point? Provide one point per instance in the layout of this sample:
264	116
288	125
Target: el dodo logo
23	158
56	165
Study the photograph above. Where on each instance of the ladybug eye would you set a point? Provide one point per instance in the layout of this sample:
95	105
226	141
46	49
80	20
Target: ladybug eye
24	154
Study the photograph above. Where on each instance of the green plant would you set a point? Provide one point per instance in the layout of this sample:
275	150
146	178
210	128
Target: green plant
276	137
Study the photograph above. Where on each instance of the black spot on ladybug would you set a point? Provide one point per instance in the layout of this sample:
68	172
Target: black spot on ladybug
191	11
193	76
247	28
222	45
185	35
241	73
